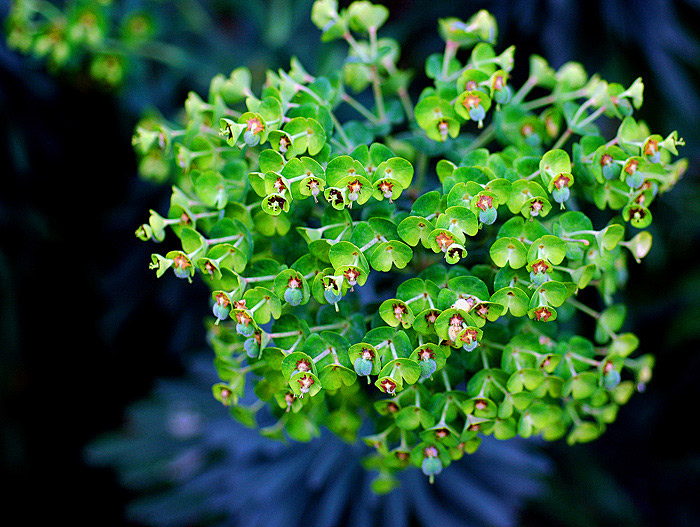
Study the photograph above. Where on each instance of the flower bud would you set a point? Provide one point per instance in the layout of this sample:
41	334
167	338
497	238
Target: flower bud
540	272
252	347
427	368
560	195
332	296
293	295
611	378
181	266
488	216
245	330
431	465
222	307
503	95
633	176
363	367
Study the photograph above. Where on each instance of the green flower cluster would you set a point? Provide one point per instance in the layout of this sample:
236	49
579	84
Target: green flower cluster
98	36
298	222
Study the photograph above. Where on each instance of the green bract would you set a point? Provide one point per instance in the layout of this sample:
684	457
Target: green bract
349	279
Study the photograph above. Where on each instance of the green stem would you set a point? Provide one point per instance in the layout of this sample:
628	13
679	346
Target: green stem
322	355
582	109
581	358
484	138
252	367
421	169
564	137
574	416
526	88
446	380
349	145
224	239
253	279
404	97
592	117
554	98
484	359
355	46
579	240
369	244
492	344
393	351
328	327
376	80
450	50
584	308
361	108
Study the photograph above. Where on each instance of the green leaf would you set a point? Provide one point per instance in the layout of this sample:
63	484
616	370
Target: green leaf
301	428
550	293
403	368
427	204
611	320
548	247
513	299
415	229
412	417
345	254
389	254
581	386
458	219
292	279
481	26
610	236
342	167
270	225
396	312
431	112
361	349
583	432
396	168
509	251
418	293
263	303
555	162
529	379
333	376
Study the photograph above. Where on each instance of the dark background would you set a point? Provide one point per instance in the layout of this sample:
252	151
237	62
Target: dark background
86	329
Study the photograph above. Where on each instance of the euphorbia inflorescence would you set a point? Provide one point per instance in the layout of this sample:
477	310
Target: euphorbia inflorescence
301	222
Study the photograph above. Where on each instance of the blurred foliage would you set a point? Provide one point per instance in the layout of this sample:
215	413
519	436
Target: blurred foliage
102	324
191	465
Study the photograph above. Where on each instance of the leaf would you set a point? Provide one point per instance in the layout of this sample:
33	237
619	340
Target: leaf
611	320
346	254
415	229
550	293
548	247
396	312
389	254
513	299
210	188
509	251
396	168
406	369
412	417
581	386
459	218
555	162
610	236
333	376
